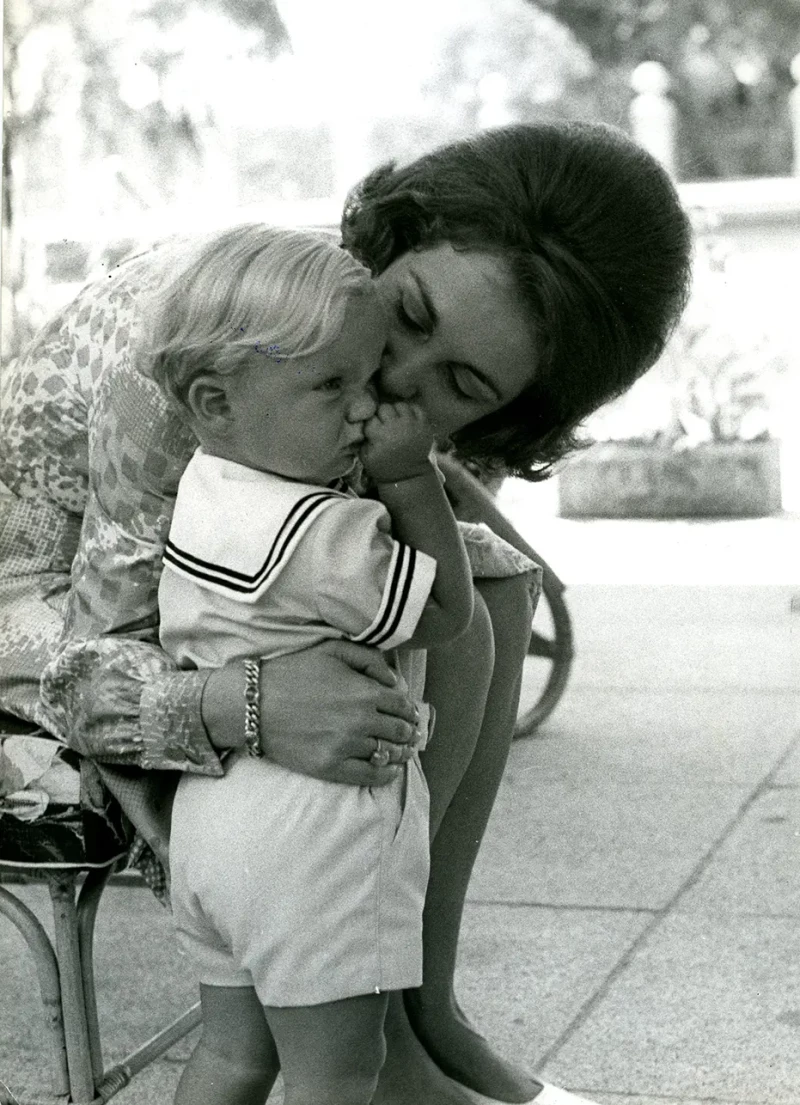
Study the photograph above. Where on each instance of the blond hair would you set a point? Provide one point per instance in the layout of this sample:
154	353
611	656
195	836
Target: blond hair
281	293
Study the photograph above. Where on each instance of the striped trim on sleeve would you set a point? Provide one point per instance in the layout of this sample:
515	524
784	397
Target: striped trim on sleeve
408	585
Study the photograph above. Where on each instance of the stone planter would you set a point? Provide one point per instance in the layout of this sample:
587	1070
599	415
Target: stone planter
718	480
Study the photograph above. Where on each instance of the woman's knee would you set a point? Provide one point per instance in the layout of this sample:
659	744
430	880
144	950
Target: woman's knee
474	649
510	609
459	673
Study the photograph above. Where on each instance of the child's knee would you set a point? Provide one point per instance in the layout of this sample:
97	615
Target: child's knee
235	1029
332	1088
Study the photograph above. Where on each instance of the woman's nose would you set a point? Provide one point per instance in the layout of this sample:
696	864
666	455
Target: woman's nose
399	375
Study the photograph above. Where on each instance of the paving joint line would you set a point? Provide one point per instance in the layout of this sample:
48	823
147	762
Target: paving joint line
575	907
660	915
692	1099
667	689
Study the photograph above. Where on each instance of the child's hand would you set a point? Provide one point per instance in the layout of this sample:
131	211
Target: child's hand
399	441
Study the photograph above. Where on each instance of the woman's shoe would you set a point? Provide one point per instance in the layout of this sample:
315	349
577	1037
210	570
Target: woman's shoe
554	1095
548	1095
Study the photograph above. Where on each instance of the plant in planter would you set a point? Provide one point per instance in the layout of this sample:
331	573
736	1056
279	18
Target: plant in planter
693	437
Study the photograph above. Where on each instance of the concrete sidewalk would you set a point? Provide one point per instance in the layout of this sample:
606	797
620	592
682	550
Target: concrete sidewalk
639	894
632	926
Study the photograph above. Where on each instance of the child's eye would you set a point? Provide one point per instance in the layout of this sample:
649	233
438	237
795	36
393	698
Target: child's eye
334	384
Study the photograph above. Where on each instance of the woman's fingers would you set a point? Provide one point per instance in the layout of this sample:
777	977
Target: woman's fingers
396	730
362	773
397	705
363	659
323	711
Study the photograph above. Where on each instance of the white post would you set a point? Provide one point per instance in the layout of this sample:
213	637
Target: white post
794	111
494	93
653	116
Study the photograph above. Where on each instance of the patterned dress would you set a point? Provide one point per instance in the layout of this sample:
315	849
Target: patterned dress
90	457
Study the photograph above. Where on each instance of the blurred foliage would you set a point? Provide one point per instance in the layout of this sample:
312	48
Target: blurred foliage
719	378
112	108
112	71
729	62
499	61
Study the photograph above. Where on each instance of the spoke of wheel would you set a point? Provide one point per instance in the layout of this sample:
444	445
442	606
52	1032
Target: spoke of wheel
541	646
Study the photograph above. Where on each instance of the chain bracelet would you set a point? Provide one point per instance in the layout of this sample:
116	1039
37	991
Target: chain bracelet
252	708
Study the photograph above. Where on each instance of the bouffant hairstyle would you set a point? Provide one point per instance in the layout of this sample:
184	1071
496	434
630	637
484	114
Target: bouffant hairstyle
592	231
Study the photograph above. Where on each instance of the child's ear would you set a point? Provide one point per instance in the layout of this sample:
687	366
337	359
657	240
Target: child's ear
207	399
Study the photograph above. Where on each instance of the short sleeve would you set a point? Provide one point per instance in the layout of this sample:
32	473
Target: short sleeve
367	585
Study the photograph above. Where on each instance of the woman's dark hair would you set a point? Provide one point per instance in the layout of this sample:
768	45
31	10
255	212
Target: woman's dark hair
599	247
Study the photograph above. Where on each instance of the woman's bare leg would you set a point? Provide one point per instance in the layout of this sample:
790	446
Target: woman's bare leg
474	685
433	1009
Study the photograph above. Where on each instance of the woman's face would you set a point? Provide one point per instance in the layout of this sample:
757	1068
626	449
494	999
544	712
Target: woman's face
459	341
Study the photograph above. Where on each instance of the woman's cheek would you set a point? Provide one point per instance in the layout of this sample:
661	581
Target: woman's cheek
444	421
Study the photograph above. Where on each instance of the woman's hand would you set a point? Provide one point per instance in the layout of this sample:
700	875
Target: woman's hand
323	711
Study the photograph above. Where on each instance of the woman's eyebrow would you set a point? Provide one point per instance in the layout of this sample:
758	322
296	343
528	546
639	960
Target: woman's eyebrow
425	296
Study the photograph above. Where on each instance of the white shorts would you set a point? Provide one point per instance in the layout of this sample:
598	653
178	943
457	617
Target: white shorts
307	890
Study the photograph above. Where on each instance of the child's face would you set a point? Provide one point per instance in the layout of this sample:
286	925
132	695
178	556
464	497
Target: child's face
305	418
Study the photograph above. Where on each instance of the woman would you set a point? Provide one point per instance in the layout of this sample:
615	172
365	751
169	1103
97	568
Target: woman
530	274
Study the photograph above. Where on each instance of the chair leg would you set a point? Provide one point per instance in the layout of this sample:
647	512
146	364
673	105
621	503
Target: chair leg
76	1034
38	941
88	901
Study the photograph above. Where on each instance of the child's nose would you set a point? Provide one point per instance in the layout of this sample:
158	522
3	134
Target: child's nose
363	405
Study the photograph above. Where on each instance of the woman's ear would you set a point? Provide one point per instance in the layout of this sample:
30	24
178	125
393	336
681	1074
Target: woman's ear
207	400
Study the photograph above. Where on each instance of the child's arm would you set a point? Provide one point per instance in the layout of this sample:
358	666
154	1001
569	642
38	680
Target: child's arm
397	457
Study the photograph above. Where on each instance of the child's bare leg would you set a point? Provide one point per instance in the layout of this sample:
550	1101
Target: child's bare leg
467	800
235	1061
330	1054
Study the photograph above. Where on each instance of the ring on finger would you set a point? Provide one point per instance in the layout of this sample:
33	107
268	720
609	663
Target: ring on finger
381	756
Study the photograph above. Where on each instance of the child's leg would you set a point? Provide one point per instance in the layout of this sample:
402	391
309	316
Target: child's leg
235	1061
330	1054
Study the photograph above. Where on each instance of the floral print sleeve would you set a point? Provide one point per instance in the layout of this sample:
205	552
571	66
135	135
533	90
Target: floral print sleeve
107	688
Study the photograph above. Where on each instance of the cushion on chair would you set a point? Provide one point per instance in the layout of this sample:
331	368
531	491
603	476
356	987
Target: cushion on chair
37	825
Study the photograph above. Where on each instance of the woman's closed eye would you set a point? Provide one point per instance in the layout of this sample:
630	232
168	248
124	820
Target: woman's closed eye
467	384
412	319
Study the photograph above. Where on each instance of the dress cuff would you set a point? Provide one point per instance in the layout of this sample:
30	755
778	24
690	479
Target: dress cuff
491	557
173	734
